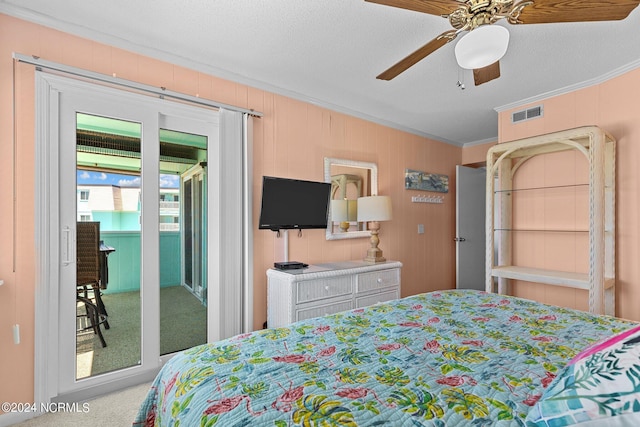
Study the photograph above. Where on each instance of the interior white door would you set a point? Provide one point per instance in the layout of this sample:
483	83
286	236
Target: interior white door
470	227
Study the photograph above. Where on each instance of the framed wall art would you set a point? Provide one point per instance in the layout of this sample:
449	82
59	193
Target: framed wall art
424	181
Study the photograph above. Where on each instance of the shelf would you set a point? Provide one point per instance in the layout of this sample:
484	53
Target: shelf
539	230
551	187
504	161
548	277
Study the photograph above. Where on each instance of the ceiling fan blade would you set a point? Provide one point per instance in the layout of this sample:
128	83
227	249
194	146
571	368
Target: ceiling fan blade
418	55
548	11
432	7
486	74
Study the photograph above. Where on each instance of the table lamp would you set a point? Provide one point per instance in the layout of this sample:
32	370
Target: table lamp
374	209
344	211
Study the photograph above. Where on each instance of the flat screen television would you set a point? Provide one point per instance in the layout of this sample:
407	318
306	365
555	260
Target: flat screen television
293	204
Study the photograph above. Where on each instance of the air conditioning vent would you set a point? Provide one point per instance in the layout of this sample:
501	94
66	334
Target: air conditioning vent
519	116
528	114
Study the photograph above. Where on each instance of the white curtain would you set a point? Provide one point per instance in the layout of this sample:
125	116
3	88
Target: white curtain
236	230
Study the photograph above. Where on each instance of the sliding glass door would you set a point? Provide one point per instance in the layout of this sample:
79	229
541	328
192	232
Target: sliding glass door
183	237
108	178
193	185
124	164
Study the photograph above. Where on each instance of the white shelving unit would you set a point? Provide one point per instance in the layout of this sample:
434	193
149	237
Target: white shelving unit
503	161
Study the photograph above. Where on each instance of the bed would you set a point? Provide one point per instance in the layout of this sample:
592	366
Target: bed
447	358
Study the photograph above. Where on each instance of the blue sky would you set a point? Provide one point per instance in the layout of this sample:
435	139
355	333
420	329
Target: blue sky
85	177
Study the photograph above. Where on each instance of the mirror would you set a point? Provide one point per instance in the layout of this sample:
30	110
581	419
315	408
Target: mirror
349	180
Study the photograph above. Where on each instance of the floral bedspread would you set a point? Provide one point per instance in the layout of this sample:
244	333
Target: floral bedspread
447	358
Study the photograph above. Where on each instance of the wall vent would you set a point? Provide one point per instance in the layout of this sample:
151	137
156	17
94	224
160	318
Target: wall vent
528	114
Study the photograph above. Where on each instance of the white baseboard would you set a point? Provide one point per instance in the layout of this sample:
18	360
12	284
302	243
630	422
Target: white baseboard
11	418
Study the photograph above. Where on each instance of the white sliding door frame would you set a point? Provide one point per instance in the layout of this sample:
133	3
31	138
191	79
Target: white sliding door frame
230	273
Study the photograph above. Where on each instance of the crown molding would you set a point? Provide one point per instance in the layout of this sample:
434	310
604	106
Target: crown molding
572	88
480	141
91	34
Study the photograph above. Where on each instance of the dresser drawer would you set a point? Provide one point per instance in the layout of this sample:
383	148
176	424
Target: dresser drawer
330	288
377	280
377	298
323	310
311	290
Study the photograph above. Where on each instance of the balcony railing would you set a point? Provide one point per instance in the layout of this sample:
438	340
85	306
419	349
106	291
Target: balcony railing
169	227
169	205
124	263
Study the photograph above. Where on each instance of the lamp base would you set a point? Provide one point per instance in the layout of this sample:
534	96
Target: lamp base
374	255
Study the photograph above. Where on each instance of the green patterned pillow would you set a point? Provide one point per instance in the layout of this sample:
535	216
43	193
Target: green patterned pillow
601	387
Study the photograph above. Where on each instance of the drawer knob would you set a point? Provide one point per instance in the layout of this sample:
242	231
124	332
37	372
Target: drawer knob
326	288
379	279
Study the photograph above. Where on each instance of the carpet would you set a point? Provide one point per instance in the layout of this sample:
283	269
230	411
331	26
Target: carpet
183	324
112	410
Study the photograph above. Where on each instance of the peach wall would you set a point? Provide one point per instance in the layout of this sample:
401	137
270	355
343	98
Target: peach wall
291	140
476	154
615	106
324	133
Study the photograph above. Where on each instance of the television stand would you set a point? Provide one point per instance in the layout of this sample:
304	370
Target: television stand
322	289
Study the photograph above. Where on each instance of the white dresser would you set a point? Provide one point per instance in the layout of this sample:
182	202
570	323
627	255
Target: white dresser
323	289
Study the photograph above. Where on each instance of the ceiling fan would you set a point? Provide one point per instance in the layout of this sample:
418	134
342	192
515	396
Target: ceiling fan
482	47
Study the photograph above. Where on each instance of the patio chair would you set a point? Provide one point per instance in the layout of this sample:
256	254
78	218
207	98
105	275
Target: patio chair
88	277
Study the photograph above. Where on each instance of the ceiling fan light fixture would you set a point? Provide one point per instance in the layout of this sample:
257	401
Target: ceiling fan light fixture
481	47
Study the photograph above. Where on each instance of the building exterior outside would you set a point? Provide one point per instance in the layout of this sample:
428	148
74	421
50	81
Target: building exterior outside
118	208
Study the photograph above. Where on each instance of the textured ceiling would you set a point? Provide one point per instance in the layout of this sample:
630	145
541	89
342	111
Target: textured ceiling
329	52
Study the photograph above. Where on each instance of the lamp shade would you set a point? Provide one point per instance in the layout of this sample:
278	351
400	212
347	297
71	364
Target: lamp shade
482	46
374	208
344	210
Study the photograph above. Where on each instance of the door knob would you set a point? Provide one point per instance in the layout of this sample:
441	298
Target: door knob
459	239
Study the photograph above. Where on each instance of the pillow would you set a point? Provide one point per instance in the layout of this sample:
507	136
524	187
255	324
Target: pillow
608	342
599	387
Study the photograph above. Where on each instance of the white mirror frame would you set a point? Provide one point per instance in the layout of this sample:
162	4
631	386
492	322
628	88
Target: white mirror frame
328	162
